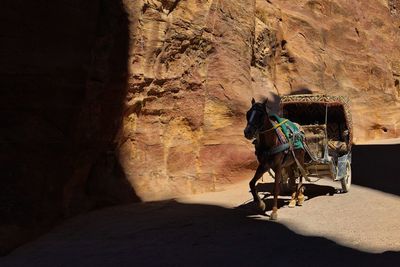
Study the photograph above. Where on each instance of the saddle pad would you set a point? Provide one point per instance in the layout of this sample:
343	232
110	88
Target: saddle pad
279	132
289	130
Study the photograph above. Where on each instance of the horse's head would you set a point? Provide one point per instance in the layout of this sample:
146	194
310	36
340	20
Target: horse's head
255	118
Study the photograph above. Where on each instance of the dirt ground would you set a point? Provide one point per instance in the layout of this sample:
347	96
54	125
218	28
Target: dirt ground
223	229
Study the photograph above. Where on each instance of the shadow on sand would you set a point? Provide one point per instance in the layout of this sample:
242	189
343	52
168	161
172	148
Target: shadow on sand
377	167
170	233
265	190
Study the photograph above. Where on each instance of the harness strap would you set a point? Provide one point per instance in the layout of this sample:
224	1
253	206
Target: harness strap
287	146
276	126
277	149
302	170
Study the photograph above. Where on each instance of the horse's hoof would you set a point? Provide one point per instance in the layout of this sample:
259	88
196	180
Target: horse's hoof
292	203
300	201
274	216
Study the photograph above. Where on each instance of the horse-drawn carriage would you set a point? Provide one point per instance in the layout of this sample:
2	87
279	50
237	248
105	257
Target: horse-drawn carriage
313	138
326	122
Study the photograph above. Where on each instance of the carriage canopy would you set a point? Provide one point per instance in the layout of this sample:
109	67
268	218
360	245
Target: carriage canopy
313	109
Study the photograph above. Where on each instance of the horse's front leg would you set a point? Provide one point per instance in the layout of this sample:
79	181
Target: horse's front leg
278	177
261	169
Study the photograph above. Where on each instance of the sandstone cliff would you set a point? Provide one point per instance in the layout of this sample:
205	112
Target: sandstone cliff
194	66
101	99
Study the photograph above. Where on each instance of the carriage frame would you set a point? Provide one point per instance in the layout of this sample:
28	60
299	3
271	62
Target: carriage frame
327	124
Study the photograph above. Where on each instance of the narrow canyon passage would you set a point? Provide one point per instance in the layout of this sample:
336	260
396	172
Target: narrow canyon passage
63	74
108	102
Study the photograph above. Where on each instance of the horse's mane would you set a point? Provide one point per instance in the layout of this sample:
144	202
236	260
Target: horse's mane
263	99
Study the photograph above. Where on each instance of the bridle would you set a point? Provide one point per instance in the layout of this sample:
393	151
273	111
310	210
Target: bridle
261	125
259	128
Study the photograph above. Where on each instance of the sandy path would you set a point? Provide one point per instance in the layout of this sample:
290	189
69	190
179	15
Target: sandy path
215	229
360	228
364	219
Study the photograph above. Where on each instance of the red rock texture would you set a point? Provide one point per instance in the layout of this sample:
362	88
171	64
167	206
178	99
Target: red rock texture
194	66
336	47
190	81
102	100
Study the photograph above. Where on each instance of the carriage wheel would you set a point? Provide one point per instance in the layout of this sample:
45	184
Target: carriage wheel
346	181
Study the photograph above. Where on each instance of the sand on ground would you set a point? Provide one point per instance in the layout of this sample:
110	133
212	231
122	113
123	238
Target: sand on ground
223	229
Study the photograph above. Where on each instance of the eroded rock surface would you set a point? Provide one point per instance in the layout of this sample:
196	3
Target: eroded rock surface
336	47
189	74
194	66
104	98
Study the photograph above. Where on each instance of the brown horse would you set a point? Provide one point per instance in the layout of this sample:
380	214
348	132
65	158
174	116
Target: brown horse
270	156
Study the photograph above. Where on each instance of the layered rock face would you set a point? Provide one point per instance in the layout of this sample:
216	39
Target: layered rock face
194	66
104	98
335	47
190	77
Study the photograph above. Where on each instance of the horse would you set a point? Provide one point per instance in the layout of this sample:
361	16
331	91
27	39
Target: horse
271	154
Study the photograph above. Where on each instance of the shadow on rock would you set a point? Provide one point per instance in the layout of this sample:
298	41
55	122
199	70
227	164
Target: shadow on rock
377	167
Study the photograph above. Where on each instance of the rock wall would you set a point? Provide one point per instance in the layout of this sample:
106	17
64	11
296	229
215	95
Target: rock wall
335	47
189	76
101	99
194	66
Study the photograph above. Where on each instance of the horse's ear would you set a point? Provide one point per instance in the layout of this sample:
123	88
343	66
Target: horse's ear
253	101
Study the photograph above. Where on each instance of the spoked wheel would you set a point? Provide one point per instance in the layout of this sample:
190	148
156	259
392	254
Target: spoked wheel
346	181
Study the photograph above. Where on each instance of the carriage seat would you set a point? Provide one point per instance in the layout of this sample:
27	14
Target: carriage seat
337	148
315	138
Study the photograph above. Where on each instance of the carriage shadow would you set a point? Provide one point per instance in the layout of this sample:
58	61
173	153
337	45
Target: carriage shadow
266	192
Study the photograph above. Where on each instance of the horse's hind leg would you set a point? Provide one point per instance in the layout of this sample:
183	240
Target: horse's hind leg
292	182
300	191
297	195
259	172
300	188
278	176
